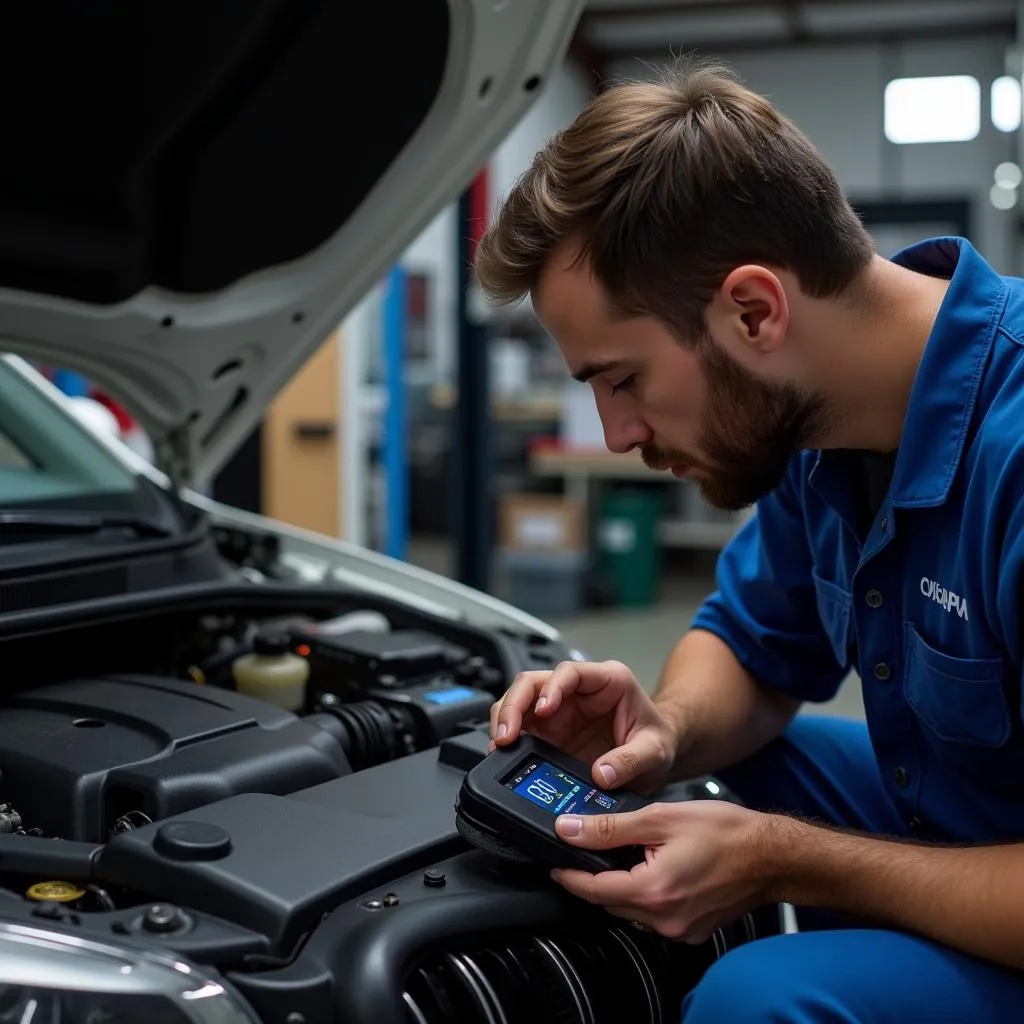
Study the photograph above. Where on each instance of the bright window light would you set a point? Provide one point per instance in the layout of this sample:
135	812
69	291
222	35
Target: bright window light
1006	103
1008	175
944	108
1003	198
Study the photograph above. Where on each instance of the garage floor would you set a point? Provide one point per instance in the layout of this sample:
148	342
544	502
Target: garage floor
643	638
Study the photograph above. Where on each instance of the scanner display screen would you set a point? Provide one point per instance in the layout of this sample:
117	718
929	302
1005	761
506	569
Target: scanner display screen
557	791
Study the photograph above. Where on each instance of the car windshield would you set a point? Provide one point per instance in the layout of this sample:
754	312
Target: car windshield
49	460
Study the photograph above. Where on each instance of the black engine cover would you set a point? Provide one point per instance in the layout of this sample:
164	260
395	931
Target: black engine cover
76	756
354	900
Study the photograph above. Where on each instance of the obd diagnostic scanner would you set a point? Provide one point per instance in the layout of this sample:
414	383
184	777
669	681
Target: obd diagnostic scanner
509	802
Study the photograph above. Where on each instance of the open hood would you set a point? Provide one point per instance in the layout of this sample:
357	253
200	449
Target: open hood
193	196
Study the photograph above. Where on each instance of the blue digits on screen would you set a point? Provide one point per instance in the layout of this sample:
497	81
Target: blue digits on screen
559	792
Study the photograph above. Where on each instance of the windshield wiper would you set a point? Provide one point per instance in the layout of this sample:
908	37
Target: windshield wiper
63	523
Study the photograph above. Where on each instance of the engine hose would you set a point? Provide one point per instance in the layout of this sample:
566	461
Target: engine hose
369	732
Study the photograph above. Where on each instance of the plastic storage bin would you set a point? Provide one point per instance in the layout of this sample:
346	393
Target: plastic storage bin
630	552
544	583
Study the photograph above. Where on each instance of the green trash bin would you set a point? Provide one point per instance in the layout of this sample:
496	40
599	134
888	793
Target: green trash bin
630	555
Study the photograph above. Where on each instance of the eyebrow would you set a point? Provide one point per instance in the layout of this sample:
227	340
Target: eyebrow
588	370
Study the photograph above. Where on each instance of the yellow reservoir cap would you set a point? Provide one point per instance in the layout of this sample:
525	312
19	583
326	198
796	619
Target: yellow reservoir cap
54	892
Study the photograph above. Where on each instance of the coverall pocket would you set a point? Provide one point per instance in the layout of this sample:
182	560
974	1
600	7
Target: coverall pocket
961	700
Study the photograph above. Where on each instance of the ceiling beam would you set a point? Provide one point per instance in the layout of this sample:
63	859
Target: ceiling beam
793	15
993	26
652	10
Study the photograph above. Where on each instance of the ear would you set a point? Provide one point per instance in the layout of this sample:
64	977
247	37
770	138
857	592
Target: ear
751	307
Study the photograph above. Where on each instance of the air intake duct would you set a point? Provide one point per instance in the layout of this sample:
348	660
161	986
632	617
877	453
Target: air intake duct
369	732
572	976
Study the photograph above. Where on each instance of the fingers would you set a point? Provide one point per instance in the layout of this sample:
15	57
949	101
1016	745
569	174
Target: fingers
628	895
607	888
507	713
647	827
645	752
674	927
699	931
542	693
567	678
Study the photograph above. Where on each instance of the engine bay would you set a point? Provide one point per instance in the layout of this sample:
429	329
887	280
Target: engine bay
124	718
261	777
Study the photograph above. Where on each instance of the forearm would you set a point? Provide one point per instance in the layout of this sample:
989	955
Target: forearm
721	712
969	898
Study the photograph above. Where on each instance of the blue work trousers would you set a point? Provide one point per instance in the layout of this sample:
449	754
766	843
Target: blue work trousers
825	768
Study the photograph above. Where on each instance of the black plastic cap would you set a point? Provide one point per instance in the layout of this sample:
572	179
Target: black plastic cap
272	643
192	841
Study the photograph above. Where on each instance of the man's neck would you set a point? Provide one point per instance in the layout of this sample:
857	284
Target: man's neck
875	344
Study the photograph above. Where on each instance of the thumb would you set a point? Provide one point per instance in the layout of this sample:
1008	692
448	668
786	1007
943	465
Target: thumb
607	831
641	754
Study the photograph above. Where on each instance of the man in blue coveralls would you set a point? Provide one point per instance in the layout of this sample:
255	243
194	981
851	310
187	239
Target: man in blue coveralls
695	260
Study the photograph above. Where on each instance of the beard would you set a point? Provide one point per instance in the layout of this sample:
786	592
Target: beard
749	432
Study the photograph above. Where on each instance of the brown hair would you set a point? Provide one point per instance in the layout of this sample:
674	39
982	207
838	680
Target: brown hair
668	186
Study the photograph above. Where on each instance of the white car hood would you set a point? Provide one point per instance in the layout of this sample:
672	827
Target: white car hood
199	193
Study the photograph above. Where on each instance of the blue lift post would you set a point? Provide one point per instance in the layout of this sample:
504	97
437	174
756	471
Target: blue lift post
73	384
396	470
471	427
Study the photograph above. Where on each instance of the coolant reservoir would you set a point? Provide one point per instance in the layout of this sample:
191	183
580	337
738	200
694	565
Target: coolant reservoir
272	673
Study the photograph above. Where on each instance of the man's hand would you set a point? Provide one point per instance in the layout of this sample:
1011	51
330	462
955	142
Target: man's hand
597	712
707	863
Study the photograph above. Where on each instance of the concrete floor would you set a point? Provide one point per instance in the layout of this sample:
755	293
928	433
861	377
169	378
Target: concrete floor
643	638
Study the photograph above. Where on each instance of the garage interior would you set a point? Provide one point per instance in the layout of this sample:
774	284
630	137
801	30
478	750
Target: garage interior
827	64
250	697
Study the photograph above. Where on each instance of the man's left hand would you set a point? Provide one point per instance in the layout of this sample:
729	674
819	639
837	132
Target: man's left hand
707	863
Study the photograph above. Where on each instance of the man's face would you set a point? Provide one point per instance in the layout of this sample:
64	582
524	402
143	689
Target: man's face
693	410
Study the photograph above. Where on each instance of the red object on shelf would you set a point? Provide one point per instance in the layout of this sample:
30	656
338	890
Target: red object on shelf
479	210
125	421
545	443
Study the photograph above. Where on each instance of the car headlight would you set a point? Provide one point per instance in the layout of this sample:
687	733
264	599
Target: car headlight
49	977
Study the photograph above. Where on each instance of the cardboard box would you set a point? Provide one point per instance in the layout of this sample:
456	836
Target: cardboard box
541	522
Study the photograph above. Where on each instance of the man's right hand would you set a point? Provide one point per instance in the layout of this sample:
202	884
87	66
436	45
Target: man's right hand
599	713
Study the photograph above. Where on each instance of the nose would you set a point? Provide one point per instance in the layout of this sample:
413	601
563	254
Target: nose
623	431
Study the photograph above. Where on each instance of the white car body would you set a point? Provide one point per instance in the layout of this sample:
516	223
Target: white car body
198	363
315	557
187	293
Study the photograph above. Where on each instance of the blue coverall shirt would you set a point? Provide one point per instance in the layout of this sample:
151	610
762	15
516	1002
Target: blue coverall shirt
925	604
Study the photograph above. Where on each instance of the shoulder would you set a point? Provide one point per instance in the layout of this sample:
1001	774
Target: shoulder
997	438
1011	322
992	468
